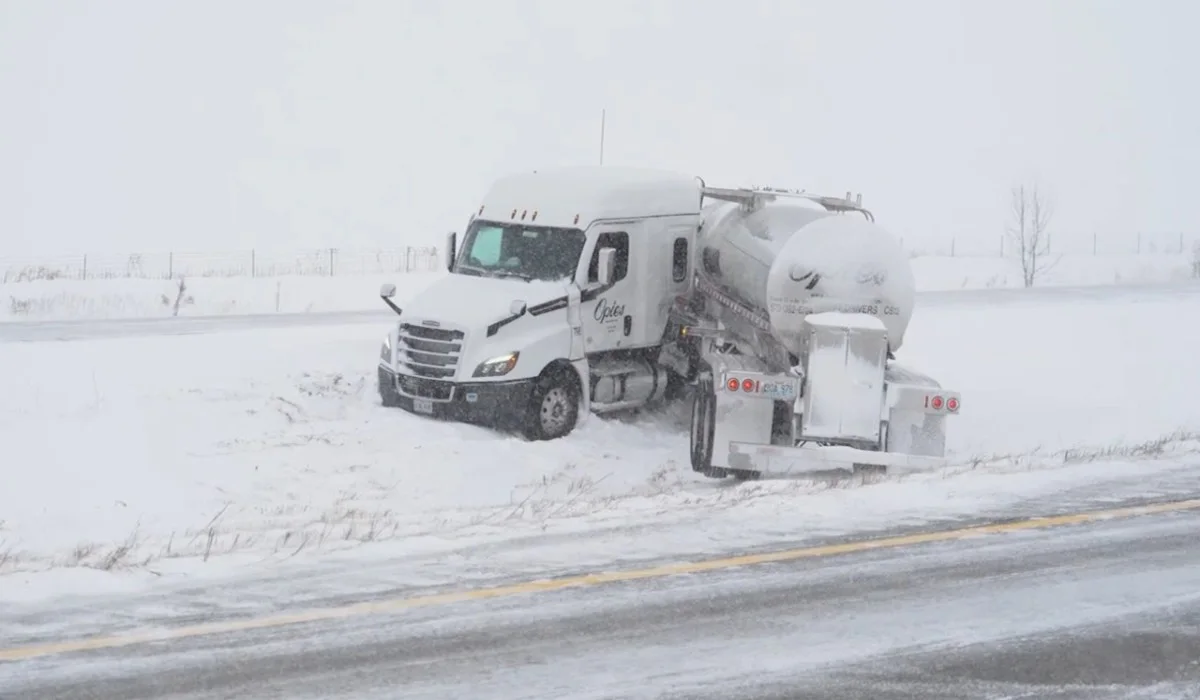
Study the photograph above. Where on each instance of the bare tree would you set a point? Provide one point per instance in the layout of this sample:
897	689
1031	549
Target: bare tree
1031	214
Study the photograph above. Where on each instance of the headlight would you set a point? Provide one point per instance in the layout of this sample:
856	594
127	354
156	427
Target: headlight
385	352
497	366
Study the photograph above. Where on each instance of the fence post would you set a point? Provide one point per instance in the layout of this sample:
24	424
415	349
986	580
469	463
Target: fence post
1094	243
953	244
1139	248
85	267
253	263
1002	246
171	265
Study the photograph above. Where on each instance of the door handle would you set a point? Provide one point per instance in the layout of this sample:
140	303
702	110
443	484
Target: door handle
628	325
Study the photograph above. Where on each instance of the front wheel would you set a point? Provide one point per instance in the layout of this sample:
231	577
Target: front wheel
553	407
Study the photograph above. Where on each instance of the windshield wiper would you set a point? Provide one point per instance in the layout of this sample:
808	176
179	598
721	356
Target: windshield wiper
510	273
469	270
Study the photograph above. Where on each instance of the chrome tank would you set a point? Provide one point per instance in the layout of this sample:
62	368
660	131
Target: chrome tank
790	258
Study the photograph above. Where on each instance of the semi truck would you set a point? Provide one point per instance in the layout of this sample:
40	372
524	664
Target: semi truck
593	290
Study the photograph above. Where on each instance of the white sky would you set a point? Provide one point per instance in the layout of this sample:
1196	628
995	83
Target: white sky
140	125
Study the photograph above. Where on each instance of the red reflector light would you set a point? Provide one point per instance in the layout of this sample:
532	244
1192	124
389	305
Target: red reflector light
733	384
747	385
936	402
951	404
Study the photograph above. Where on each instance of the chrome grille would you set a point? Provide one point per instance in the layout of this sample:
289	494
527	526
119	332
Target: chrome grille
430	352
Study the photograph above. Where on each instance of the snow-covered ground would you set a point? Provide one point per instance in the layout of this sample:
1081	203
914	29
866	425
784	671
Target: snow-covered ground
137	461
60	299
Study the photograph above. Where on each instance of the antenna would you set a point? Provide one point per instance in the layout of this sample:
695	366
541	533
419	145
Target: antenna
602	117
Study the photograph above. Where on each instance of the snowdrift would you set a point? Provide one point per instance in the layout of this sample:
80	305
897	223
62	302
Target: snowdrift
189	455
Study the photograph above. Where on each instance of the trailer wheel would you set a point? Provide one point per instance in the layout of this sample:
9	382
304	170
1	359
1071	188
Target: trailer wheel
704	422
553	406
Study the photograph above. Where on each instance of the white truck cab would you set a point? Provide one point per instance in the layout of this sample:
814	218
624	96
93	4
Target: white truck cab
555	304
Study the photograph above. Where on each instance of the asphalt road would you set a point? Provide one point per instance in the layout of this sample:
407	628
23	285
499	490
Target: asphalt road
1096	609
185	325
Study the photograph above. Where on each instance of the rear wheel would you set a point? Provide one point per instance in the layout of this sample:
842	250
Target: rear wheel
553	406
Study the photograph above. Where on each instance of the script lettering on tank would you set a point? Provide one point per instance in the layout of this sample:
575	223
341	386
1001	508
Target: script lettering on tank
811	276
871	277
608	310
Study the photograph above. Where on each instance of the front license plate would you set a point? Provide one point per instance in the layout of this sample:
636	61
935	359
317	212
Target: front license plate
423	405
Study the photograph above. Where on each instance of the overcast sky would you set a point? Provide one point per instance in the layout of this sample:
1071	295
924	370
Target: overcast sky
139	125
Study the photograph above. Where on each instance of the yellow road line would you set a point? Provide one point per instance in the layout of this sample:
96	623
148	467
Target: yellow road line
398	604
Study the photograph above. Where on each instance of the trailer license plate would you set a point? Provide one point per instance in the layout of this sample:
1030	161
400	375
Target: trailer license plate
779	390
423	405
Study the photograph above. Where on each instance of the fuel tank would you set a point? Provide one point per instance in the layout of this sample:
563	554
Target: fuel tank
791	258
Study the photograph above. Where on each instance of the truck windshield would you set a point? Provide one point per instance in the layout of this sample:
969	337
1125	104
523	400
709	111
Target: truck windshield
516	250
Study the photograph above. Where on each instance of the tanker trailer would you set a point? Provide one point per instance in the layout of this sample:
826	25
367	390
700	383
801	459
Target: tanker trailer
800	304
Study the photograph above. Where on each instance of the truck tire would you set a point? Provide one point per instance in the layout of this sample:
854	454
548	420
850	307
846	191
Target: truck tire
703	425
553	406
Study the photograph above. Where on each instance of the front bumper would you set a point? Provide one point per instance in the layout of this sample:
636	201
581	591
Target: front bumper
496	404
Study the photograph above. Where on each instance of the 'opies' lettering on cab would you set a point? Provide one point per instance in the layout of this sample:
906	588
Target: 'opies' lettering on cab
608	310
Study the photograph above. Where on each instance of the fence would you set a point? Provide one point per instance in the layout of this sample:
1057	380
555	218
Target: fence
333	261
1060	244
324	262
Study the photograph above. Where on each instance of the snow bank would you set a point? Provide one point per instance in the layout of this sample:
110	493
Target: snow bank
184	454
63	299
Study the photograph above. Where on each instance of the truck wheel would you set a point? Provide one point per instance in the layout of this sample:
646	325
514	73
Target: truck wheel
704	423
553	407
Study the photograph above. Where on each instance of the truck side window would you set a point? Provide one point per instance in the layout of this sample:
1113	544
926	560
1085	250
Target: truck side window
679	260
611	239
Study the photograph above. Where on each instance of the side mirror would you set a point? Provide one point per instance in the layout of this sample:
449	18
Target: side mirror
386	292
451	250
607	267
517	308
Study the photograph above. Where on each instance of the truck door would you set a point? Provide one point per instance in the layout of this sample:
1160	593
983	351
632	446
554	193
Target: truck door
608	321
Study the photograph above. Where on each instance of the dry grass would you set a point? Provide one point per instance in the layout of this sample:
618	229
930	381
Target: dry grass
567	493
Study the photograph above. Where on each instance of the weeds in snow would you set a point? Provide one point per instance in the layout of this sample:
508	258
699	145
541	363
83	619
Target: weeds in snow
364	512
1184	441
119	554
1179	442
